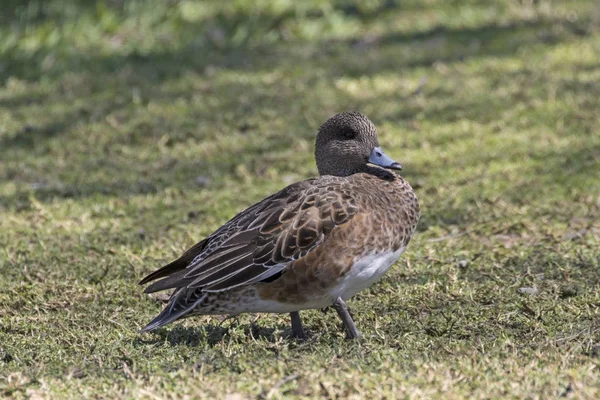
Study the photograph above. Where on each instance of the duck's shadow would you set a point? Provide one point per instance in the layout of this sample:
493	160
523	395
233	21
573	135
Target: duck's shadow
210	334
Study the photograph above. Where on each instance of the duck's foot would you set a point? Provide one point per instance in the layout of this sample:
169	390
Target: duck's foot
297	329
351	331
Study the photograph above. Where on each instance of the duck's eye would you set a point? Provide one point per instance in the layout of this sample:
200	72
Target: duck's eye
349	134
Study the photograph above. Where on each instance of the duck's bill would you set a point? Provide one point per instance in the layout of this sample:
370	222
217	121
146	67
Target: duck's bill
378	157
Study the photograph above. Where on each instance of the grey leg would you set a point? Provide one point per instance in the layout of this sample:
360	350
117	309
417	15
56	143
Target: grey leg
297	330
342	310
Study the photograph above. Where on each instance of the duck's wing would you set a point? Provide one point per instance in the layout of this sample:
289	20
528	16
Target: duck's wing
261	241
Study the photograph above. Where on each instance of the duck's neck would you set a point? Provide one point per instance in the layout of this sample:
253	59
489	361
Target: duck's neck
379	172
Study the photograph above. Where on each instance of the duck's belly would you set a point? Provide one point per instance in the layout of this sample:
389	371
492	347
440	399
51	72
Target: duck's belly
364	273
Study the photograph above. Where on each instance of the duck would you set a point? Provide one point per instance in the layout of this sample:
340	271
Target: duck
312	245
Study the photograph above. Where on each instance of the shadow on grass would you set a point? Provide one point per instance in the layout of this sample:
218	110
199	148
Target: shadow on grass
449	45
210	334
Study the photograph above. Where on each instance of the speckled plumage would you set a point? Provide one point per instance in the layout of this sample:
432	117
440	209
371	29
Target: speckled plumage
305	246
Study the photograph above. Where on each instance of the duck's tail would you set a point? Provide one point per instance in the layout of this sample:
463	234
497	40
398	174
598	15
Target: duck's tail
181	303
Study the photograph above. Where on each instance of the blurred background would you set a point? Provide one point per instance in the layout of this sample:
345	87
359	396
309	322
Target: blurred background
115	96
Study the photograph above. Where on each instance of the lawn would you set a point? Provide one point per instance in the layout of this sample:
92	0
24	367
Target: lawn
129	130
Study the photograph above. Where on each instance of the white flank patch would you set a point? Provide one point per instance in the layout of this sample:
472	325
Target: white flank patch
364	273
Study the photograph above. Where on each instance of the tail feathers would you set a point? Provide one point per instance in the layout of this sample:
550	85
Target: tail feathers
180	304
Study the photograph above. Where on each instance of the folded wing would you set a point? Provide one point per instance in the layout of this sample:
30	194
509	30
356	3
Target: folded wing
261	241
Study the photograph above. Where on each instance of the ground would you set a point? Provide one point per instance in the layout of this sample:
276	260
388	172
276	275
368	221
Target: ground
131	130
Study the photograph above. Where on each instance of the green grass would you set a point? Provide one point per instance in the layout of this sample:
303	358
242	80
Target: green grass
130	131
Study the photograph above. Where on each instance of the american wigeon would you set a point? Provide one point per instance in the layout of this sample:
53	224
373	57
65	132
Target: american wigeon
314	244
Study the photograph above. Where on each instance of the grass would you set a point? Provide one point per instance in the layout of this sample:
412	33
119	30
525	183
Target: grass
130	130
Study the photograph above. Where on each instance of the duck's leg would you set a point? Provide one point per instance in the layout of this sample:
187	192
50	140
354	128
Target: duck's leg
351	331
297	330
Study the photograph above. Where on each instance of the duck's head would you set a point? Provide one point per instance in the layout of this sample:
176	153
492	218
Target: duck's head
347	143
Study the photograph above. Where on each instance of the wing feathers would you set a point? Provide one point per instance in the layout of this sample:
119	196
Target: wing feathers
176	280
215	259
223	271
177	265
